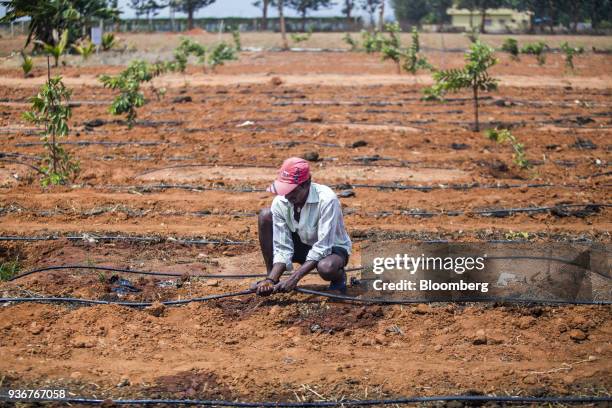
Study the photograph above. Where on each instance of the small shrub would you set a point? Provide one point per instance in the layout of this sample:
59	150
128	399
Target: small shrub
391	48
504	135
9	269
85	49
109	41
372	42
354	44
474	75
26	65
186	48
219	54
298	38
569	54
537	49
51	108
510	46
128	83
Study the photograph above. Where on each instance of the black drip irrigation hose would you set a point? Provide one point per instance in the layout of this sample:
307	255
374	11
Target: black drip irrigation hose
123	238
22	164
139	272
340	403
423	188
250	291
501	212
93	142
346	298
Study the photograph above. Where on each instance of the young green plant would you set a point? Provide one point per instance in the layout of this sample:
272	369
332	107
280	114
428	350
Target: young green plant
109	41
298	38
85	49
354	44
474	75
504	135
570	52
391	48
537	49
26	65
413	61
128	83
51	108
510	46
219	54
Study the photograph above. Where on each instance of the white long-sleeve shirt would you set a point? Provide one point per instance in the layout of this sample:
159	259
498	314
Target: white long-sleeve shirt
321	225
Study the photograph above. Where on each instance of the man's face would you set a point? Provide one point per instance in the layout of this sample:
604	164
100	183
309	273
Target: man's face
299	195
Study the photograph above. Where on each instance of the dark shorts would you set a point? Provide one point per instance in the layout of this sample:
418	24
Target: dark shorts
300	250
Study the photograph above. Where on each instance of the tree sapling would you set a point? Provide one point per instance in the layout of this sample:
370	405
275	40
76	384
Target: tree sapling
474	75
51	108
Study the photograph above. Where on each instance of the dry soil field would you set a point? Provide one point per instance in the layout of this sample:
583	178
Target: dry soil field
180	191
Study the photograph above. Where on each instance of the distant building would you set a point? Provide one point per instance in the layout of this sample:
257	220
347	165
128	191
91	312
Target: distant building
496	20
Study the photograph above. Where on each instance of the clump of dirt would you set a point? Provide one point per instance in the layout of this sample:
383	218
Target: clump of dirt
190	384
329	318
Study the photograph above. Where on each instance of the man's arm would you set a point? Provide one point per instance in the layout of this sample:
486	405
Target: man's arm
287	285
282	251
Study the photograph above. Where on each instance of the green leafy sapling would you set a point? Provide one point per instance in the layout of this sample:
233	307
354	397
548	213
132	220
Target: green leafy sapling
128	83
298	38
537	49
372	42
354	44
219	54
186	48
504	135
236	38
474	75
391	48
85	49
51	108
510	46
26	65
413	61
57	48
570	52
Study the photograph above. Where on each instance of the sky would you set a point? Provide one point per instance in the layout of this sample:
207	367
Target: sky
242	8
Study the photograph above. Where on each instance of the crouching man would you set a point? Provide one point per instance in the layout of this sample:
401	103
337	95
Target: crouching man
304	225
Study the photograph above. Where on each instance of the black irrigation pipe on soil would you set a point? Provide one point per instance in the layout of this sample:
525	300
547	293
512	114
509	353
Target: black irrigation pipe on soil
345	298
93	142
476	399
460	187
138	272
501	212
22	164
125	238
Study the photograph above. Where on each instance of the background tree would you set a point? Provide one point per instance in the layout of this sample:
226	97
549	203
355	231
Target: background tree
410	12
347	9
304	6
264	4
190	7
481	6
74	16
148	8
370	7
281	20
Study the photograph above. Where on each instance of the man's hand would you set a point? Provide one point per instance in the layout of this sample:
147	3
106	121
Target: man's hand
264	287
287	285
